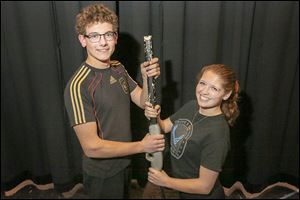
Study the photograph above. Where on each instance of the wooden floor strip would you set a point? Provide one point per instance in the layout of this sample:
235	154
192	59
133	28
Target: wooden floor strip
25	183
228	191
239	186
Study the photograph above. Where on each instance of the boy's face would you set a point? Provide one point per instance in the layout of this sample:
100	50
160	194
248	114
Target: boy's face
99	52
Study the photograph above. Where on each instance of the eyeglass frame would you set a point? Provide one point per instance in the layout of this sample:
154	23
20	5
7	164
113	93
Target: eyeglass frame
95	34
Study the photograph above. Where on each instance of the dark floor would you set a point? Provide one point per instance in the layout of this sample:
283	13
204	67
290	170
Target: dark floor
31	192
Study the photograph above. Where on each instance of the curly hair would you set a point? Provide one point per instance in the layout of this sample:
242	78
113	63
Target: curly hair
230	83
95	13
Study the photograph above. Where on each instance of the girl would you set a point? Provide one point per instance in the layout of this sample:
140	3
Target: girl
200	136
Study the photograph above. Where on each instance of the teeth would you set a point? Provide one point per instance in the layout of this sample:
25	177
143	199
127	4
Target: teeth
204	98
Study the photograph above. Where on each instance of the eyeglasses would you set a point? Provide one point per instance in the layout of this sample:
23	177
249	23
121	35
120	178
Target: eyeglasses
95	37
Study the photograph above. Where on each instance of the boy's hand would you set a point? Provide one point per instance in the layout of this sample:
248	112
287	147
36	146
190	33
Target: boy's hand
150	68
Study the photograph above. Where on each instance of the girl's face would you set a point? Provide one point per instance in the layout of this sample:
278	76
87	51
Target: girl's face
210	93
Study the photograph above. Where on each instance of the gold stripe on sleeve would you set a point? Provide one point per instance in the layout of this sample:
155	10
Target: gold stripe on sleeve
74	96
79	96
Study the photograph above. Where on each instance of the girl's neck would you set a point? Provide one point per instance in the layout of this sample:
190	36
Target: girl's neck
210	111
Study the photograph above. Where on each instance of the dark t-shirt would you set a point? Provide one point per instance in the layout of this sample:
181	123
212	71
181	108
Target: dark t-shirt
101	96
198	140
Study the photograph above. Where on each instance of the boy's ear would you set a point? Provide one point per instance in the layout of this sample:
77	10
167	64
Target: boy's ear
82	40
117	37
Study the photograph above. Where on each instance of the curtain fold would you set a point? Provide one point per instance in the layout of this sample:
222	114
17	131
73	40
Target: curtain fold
260	40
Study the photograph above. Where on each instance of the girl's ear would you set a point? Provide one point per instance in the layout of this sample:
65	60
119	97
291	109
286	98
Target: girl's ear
226	96
82	40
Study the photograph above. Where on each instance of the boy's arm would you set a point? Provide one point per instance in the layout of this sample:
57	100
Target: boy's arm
95	147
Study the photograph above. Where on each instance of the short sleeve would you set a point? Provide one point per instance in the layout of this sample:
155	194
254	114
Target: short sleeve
77	100
214	154
119	68
132	84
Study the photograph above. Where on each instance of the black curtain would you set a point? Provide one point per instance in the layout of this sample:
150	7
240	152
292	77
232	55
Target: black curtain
260	40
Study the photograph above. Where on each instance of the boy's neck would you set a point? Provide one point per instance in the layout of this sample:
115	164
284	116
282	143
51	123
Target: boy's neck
98	64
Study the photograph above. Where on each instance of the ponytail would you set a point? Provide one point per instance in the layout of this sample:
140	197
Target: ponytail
230	106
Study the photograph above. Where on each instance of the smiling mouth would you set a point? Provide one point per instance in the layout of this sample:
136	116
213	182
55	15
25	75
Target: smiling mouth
201	97
102	50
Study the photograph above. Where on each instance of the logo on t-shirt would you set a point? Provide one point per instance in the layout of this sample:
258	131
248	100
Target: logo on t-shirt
180	134
124	85
112	80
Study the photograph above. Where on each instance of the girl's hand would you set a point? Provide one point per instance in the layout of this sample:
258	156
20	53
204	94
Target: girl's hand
151	112
157	177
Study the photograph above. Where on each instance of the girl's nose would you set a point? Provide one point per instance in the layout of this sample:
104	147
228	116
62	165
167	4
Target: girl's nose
205	89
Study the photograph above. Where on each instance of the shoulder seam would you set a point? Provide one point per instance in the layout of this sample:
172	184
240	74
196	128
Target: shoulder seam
115	63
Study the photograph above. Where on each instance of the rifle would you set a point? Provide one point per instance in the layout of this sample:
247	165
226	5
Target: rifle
155	158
